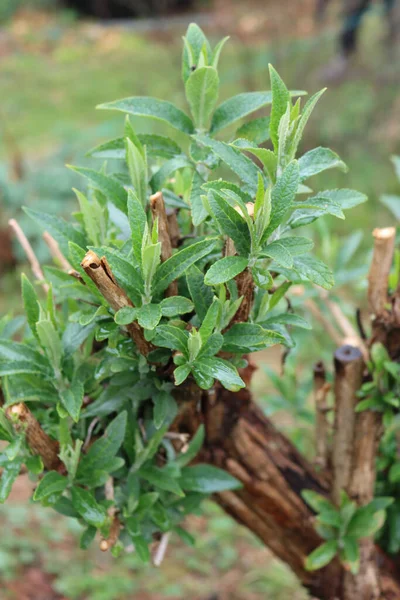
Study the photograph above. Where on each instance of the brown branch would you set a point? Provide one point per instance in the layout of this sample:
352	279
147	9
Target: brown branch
380	269
173	227
161	549
56	253
157	207
245	287
349	367
31	256
38	441
321	389
100	273
115	527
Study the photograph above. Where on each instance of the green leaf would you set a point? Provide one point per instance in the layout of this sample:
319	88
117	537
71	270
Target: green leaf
365	522
176	305
282	196
176	266
167	170
18	358
256	131
107	185
314	270
287	319
305	115
242	166
31	303
238	107
225	269
222	370
161	479
320	205
279	254
156	145
90	215
351	554
321	556
317	502
207	479
231	222
202	89
165	408
152	107
318	160
201	294
149	315
199	212
137	222
217	51
181	373
296	245
6	430
184	458
104	450
86	505
52	483
62	232
72	399
280	100
141	548
137	170
168	336
394	473
9	475
50	341
344	198
195	42
210	320
242	338
87	537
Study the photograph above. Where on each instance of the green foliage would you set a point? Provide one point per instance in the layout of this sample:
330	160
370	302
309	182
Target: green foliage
108	405
343	528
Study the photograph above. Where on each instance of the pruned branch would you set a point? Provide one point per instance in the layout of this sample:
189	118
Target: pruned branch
157	206
56	253
38	441
321	390
115	527
31	256
380	269
100	273
349	367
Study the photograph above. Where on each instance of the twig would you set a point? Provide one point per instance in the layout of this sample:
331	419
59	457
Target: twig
89	433
157	207
351	335
56	253
329	328
38	441
35	265
349	366
321	389
380	269
100	273
115	527
161	549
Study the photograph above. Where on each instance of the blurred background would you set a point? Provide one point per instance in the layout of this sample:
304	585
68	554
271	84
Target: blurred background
58	60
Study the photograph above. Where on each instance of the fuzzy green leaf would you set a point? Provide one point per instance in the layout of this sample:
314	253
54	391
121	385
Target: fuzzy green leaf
52	483
222	370
231	222
225	269
149	315
318	160
72	398
176	305
242	338
31	303
314	270
168	336
202	89
86	505
206	479
107	185
321	556
176	266
153	108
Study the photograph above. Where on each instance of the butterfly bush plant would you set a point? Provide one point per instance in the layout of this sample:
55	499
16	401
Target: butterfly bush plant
181	255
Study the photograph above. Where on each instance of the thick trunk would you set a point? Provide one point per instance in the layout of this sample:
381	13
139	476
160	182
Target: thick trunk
240	439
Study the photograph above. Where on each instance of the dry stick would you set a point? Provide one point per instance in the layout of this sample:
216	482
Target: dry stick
329	328
349	367
56	253
100	273
173	227
157	206
115	527
38	441
380	269
35	265
161	549
321	389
